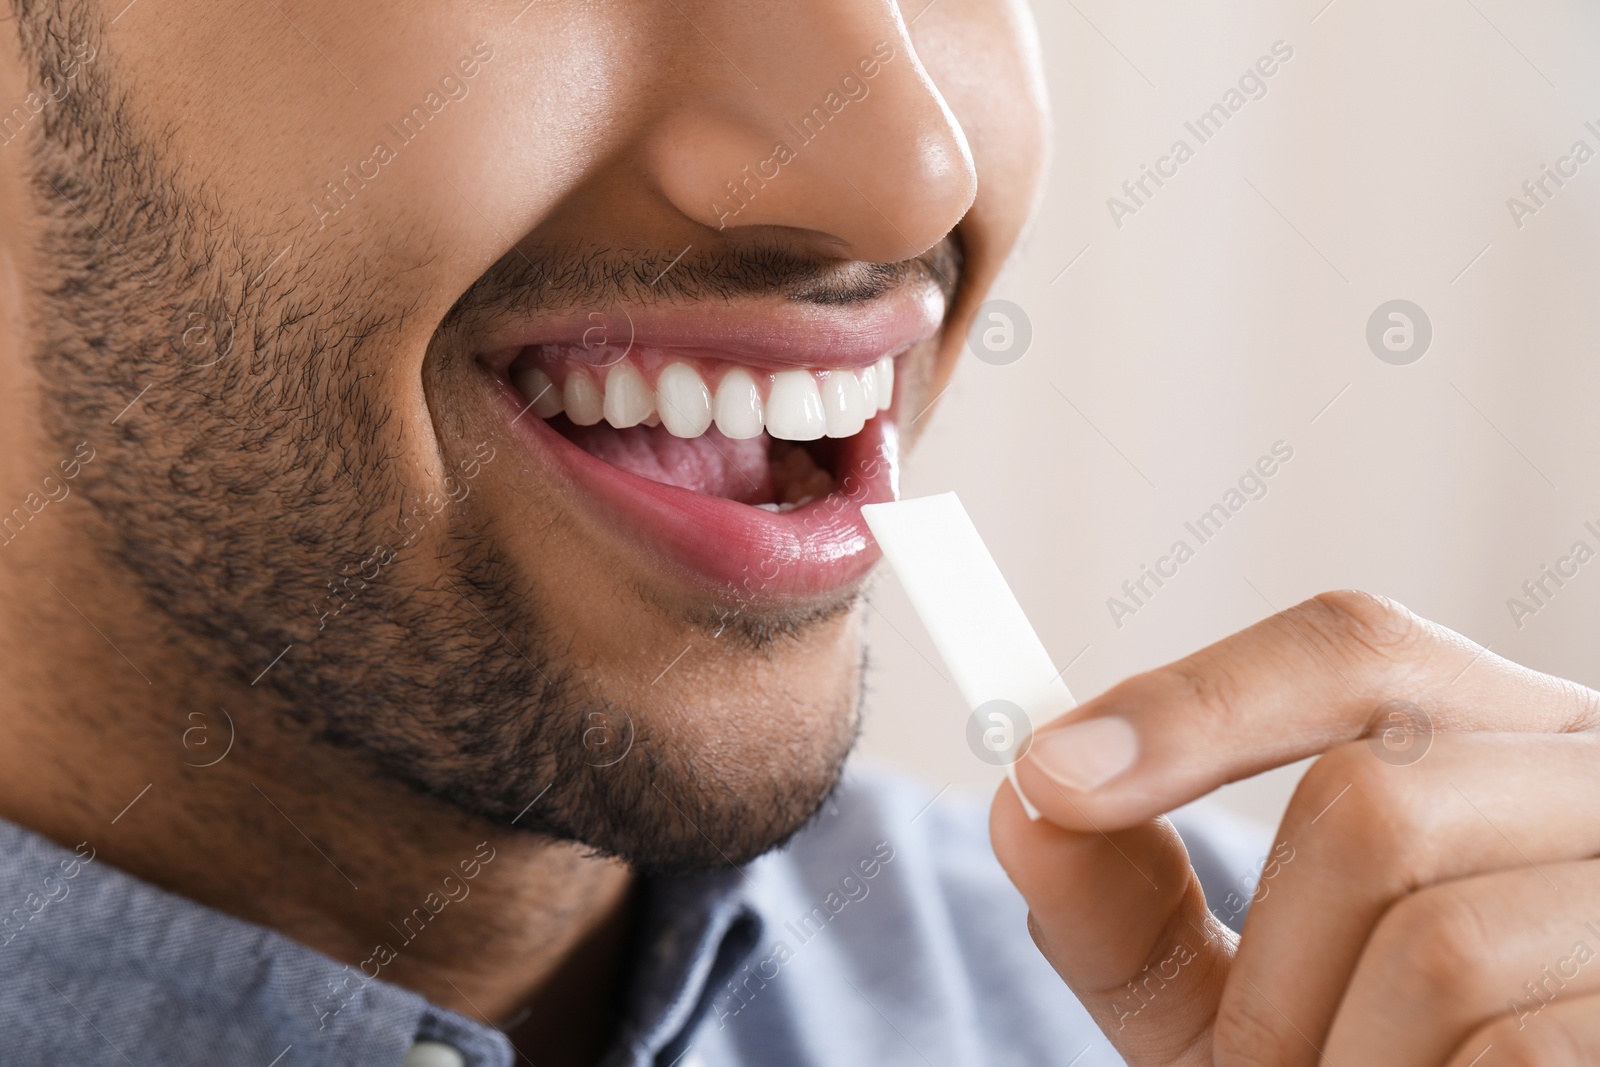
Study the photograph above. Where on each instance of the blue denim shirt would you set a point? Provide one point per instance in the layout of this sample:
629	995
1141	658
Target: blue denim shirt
884	934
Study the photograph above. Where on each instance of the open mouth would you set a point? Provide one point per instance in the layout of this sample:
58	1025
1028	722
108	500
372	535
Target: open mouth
766	438
742	469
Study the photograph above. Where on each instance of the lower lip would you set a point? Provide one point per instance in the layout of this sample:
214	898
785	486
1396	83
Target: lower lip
815	550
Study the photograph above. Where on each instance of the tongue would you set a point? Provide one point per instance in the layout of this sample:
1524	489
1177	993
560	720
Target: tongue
710	464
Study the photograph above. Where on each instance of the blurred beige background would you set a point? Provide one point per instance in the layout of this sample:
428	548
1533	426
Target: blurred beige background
1230	311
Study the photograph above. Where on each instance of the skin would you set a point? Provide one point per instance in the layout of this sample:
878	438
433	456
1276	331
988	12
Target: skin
1436	856
263	385
257	390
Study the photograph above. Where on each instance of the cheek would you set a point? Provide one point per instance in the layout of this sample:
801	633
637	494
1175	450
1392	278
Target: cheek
283	124
291	149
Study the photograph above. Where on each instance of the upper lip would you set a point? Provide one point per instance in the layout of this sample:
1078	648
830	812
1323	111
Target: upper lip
766	333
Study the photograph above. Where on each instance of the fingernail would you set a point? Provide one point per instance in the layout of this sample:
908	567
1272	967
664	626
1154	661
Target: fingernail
1086	754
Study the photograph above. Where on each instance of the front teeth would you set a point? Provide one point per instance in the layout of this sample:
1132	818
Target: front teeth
794	407
800	405
683	400
740	412
629	399
868	377
843	404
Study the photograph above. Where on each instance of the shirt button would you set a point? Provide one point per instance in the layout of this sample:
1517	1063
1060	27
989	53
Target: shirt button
433	1054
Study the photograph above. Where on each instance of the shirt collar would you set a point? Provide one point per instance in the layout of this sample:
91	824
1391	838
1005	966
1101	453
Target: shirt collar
108	968
695	932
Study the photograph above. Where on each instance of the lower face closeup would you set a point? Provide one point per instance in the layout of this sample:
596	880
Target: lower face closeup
532	445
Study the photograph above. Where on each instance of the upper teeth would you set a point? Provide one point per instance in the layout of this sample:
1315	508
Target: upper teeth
795	405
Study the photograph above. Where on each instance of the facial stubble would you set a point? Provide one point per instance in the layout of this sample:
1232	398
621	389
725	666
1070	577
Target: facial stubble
255	470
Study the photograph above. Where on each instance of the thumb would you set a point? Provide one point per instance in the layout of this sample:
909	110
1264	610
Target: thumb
1123	919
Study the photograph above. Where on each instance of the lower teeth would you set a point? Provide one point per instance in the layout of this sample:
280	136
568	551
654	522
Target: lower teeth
784	509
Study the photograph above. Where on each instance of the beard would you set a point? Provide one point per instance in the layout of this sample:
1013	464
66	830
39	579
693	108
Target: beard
245	469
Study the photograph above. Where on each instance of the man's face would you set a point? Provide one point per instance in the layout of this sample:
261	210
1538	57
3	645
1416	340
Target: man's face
513	372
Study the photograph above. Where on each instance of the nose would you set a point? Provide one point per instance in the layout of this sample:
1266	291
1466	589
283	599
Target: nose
813	116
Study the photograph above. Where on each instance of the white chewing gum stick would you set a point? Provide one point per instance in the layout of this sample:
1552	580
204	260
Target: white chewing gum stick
990	650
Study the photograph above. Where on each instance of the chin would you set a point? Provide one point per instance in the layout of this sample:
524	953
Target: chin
697	788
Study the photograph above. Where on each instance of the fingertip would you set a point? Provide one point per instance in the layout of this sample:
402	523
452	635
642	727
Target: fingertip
1084	755
1029	808
1086	774
1068	808
1016	837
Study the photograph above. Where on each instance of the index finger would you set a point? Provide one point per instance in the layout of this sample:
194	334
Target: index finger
1333	669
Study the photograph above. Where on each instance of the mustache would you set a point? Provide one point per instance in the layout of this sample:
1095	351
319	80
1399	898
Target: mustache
562	278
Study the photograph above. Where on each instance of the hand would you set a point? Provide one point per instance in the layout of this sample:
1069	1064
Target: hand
1432	898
